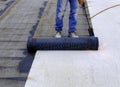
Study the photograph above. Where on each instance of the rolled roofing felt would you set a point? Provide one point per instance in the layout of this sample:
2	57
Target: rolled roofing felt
65	43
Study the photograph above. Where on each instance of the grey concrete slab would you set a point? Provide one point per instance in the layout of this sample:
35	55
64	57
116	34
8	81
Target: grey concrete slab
8	4
11	83
18	37
15	29
17	45
5	37
3	45
10	72
12	53
2	4
9	63
23	26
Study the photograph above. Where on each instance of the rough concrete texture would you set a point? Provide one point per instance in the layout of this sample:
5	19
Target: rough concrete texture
15	29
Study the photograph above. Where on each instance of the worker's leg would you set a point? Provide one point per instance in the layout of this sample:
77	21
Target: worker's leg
61	8
73	15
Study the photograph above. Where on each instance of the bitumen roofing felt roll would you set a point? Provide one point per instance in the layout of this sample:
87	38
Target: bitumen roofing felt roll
65	43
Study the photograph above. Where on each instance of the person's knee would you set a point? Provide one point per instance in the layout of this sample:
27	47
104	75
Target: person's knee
74	11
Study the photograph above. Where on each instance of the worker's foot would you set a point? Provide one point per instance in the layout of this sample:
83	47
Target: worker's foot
73	34
58	34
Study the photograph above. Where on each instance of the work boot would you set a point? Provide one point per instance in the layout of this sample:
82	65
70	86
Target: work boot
73	34
58	34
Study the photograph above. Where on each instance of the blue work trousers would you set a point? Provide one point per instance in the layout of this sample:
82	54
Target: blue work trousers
60	10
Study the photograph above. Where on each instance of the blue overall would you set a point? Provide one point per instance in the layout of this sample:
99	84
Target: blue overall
60	10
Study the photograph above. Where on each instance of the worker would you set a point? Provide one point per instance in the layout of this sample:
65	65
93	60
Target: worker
60	10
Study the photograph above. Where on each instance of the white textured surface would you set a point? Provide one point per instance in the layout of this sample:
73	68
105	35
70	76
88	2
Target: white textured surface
107	24
75	69
84	68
